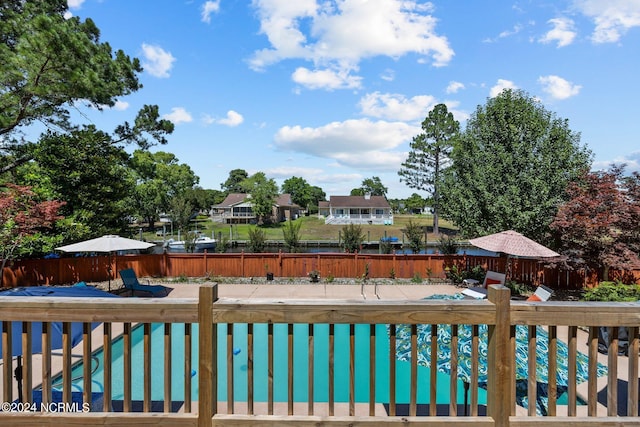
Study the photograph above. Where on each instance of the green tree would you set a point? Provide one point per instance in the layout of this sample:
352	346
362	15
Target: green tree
511	167
233	184
429	155
181	210
90	173
50	64
415	203
415	233
352	237
202	199
291	235
263	192
159	178
299	189
372	186
257	240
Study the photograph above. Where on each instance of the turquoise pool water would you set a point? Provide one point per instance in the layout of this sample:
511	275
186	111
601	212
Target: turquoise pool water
300	365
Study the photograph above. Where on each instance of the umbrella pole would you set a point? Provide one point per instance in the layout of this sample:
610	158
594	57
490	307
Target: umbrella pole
466	398
17	373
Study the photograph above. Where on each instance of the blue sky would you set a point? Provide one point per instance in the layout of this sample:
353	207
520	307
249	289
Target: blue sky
333	91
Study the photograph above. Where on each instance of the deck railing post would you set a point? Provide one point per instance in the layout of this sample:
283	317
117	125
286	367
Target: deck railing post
207	356
499	358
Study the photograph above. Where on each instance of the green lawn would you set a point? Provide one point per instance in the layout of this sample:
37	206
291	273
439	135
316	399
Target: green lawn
313	228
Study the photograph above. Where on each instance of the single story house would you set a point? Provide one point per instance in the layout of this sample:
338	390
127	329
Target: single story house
236	208
356	210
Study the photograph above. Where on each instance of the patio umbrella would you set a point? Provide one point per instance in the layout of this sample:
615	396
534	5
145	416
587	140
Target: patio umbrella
513	243
106	244
55	331
443	363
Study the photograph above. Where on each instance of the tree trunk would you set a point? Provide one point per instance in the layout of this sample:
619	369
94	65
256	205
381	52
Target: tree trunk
605	273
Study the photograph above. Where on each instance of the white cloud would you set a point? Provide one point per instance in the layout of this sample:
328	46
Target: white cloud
631	162
289	171
500	86
388	75
325	79
157	61
563	32
233	119
208	8
178	115
74	4
613	18
395	106
338	35
505	34
361	144
558	87
120	106
454	87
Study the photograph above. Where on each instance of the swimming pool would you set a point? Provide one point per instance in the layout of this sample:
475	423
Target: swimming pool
300	366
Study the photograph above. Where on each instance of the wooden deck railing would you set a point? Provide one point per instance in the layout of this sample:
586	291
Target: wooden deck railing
216	317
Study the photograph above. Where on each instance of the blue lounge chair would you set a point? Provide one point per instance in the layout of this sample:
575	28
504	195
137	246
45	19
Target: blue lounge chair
131	283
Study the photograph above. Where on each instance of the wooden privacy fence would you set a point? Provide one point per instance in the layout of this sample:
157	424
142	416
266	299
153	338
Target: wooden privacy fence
217	359
33	272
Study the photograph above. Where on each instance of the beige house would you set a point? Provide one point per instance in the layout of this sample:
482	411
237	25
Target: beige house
356	210
236	208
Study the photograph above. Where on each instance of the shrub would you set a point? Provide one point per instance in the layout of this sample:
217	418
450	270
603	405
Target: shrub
614	292
414	233
447	246
257	239
352	236
417	278
291	235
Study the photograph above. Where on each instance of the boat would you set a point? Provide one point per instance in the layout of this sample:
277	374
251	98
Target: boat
202	244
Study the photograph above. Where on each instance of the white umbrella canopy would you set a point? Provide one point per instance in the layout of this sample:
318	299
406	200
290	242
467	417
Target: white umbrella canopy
513	243
106	244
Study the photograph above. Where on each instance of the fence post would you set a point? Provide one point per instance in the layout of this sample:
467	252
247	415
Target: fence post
207	356
499	358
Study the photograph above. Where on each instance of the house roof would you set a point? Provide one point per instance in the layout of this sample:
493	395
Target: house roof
358	202
234	199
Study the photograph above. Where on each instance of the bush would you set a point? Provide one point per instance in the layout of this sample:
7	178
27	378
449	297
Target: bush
447	246
414	233
291	235
613	292
352	237
257	240
456	275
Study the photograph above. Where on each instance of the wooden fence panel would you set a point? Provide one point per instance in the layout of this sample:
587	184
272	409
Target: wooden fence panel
34	272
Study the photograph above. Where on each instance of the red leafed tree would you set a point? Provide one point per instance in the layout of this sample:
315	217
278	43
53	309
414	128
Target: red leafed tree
598	227
22	216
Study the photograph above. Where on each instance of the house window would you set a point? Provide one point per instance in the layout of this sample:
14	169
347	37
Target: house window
365	212
339	211
379	211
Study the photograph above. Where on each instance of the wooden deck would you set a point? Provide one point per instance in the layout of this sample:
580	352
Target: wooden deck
573	323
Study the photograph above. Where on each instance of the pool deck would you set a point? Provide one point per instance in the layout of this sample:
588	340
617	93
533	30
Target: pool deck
346	292
317	291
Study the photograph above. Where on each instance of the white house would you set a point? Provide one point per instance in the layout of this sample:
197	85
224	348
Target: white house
356	210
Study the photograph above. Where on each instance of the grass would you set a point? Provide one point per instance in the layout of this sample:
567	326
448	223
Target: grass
314	228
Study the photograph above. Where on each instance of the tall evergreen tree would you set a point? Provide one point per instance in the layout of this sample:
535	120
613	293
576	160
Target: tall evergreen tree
429	155
511	167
